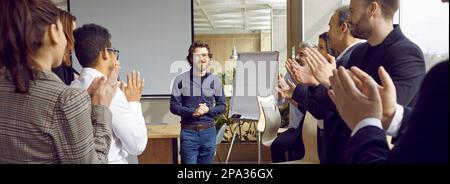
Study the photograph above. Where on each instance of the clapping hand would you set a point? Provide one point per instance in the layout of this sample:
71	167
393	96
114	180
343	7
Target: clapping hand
387	92
301	75
321	67
352	104
134	86
285	88
102	90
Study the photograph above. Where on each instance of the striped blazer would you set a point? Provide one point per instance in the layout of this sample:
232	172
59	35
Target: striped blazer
53	123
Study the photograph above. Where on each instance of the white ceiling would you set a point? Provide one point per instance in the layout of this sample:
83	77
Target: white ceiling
236	16
231	16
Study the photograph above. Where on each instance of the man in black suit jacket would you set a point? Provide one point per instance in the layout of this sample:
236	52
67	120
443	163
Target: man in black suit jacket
423	131
386	46
314	98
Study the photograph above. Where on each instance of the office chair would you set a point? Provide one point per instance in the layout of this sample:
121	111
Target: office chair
219	137
309	136
269	122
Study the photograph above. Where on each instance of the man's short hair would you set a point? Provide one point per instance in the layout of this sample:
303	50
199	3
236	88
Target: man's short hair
90	40
388	7
343	13
197	44
306	44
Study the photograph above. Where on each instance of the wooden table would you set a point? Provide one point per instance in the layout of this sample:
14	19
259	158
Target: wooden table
162	144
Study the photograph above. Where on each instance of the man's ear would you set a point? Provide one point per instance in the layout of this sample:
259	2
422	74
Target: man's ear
53	34
344	27
372	8
104	54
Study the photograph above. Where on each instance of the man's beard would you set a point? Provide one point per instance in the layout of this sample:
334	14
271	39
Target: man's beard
361	31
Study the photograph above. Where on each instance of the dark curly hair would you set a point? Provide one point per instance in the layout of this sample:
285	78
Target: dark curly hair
197	44
90	40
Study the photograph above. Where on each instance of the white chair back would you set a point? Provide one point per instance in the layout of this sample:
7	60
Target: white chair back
309	136
220	133
270	119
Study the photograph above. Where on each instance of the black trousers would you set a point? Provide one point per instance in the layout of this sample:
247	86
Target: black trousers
321	145
290	140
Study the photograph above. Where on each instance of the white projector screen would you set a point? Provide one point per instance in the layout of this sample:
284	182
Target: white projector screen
256	76
150	34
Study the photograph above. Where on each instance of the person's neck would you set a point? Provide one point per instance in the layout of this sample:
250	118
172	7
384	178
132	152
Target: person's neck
380	32
102	70
198	73
43	61
347	42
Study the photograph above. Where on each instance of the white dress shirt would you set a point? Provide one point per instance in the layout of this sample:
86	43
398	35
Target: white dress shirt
128	124
393	128
346	49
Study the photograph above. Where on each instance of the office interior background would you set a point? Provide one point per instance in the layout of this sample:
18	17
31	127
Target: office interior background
280	25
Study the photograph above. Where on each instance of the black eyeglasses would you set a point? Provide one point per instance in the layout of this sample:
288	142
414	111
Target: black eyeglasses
116	52
204	55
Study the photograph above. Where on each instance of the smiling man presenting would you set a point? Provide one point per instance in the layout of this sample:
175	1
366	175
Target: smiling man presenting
197	96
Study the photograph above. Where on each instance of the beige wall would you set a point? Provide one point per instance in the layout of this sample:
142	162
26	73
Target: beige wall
157	111
221	45
266	42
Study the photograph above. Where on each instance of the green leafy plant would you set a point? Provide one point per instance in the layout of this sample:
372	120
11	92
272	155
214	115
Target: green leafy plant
220	120
228	77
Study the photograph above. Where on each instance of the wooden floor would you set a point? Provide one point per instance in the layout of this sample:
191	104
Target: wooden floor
243	153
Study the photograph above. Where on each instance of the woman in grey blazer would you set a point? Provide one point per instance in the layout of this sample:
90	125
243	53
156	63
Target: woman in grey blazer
41	119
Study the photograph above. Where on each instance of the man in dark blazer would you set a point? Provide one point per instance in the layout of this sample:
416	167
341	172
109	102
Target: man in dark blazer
386	46
422	131
314	98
